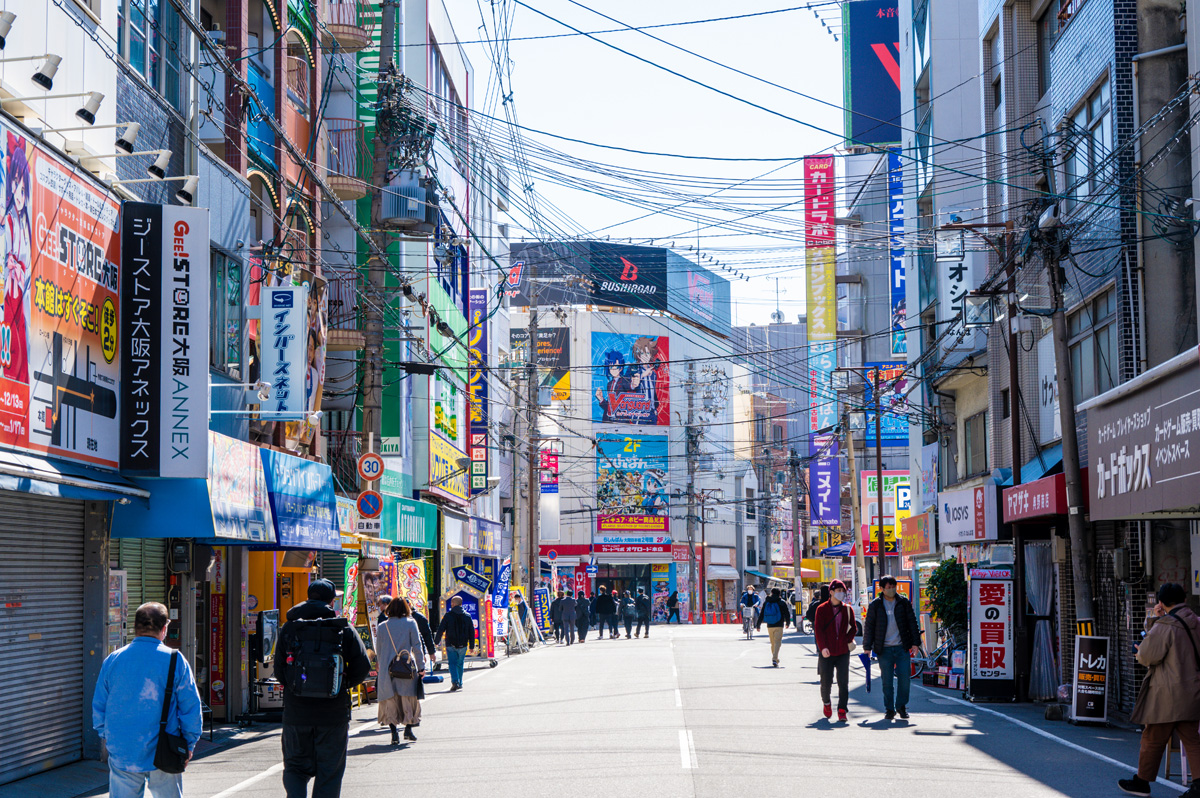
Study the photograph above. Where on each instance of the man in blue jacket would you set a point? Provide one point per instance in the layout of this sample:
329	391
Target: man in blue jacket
127	708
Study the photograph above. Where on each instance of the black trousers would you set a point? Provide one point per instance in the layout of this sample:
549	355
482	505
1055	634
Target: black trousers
568	631
674	613
317	753
558	630
628	625
608	620
583	630
825	668
643	620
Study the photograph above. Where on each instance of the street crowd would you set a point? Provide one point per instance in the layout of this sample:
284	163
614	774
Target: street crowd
148	712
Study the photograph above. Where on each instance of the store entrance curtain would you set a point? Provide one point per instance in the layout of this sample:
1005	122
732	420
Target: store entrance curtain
1039	586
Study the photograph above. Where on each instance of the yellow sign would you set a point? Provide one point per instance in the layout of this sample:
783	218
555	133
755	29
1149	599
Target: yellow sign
446	477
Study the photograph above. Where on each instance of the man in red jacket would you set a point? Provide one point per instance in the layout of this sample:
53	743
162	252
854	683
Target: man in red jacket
833	628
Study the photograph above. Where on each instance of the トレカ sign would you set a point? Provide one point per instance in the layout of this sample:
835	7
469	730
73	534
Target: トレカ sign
967	516
165	335
1090	698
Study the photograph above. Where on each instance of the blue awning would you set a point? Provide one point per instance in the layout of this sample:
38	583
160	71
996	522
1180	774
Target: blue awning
761	575
1042	463
27	473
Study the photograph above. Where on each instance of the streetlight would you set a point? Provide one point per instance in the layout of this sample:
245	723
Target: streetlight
841	382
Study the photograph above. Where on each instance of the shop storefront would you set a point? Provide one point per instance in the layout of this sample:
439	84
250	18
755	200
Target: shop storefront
918	543
721	579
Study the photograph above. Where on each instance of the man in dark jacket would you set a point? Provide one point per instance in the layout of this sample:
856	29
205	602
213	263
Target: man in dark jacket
567	614
556	616
891	631
316	722
642	605
459	631
606	612
777	615
583	616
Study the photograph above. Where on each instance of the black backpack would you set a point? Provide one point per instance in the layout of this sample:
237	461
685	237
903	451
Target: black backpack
315	660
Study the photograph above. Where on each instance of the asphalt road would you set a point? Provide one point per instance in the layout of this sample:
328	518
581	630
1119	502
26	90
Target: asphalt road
691	711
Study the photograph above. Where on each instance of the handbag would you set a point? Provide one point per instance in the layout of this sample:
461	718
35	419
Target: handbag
171	752
401	666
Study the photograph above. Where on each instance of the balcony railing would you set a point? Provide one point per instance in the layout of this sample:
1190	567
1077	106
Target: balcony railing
349	24
297	81
347	161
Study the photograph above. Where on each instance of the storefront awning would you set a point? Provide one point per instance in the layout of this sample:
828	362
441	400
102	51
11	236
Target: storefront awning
26	473
840	550
721	572
761	575
1038	466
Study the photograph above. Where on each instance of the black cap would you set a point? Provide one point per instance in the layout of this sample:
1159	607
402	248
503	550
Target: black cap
322	590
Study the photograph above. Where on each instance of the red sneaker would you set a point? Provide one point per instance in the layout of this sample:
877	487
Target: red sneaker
828	711
841	714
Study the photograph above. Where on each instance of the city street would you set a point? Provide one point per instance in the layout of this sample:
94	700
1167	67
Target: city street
692	711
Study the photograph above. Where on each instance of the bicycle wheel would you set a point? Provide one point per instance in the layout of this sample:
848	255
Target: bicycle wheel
917	666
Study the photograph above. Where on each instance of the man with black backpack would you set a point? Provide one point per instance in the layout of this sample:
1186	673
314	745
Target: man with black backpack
319	657
777	615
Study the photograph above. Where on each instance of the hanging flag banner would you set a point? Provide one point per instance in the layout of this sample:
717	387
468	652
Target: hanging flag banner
285	347
896	236
164	373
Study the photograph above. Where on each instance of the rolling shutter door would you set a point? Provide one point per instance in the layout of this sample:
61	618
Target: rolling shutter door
145	566
41	633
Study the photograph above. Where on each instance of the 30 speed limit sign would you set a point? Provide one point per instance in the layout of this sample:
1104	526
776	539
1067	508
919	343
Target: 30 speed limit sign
370	467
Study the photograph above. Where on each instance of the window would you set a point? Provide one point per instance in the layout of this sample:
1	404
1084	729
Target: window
777	435
751	554
228	317
760	427
148	37
1090	142
975	444
447	107
1048	27
1091	331
1004	407
750	510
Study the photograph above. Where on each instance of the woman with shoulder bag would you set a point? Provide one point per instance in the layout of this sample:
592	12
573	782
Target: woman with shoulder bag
401	666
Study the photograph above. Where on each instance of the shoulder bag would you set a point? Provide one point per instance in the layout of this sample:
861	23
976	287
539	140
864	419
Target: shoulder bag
171	752
401	667
1191	639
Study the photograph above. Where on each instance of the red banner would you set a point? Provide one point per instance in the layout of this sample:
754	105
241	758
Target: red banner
819	192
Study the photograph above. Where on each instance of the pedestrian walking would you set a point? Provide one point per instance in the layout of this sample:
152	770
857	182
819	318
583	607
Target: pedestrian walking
141	687
319	658
642	605
673	607
891	631
401	664
556	616
426	634
628	613
775	612
1169	700
605	607
583	616
833	626
568	610
459	631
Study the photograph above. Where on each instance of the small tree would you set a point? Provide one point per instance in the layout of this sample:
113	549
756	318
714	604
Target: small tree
948	597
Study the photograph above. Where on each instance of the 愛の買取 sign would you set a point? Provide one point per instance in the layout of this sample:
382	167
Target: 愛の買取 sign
991	642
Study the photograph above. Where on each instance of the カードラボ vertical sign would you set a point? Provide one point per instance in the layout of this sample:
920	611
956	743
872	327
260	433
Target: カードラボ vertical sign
824	474
283	349
165	336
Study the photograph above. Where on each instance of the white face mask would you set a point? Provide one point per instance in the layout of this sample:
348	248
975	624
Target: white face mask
840	595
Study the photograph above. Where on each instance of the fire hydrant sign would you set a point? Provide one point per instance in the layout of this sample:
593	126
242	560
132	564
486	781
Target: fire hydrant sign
1090	698
992	672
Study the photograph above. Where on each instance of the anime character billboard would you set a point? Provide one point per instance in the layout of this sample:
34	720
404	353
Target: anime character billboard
631	383
631	484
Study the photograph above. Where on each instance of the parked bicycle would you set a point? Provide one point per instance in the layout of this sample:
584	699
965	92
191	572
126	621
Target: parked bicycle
941	655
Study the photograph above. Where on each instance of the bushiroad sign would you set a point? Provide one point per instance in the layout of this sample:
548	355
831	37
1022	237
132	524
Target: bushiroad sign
370	504
370	467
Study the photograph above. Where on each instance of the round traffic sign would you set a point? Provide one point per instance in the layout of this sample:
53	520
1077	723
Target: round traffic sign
370	467
552	555
370	504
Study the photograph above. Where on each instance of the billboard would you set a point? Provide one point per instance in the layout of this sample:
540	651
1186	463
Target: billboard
631	485
869	499
554	358
60	308
893	403
871	60
824	482
631	383
477	388
699	295
286	347
896	270
819	193
164	429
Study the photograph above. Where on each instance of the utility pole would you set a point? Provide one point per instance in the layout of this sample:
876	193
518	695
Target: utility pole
531	393
860	567
690	450
372	417
1021	637
797	542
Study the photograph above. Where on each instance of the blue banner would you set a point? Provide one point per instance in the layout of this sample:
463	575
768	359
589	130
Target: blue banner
893	403
896	233
474	583
302	502
871	59
503	579
824	482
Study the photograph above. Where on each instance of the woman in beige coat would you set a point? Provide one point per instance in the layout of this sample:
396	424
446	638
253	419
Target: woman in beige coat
1169	701
398	702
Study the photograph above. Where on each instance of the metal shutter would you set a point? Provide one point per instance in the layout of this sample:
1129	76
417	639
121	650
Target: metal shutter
332	566
145	565
41	633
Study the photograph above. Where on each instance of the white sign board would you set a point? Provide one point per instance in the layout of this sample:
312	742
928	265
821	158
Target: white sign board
991	628
1049	422
967	516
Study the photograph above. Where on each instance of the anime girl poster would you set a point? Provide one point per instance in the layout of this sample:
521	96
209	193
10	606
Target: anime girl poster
17	261
632	382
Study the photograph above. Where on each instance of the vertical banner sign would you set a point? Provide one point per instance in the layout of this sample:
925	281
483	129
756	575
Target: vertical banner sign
350	598
893	403
477	389
871	58
896	236
819	193
165	336
991	646
1090	701
284	347
824	482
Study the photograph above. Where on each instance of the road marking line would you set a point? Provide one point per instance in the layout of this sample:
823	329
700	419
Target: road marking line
674	670
1043	733
250	782
687	750
678	698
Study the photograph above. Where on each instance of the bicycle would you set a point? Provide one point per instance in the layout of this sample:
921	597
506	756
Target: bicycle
946	646
748	622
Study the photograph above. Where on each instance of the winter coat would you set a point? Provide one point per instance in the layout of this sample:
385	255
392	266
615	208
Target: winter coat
458	629
556	611
875	629
834	628
642	603
426	632
394	635
784	615
583	615
566	611
1171	691
604	604
306	710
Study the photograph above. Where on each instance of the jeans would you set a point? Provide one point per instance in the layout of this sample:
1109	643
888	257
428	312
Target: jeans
894	659
317	753
628	625
776	635
455	656
609	620
1156	736
826	667
568	631
131	783
643	620
674	613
